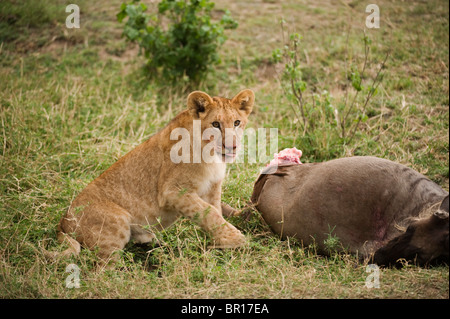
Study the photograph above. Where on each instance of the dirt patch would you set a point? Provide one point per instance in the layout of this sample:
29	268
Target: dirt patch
267	70
124	56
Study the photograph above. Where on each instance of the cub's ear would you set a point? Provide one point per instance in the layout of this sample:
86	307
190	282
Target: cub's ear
197	103
244	100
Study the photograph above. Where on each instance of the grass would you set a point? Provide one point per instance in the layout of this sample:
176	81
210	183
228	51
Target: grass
73	101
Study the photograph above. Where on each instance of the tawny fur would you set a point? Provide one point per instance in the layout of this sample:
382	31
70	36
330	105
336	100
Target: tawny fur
146	188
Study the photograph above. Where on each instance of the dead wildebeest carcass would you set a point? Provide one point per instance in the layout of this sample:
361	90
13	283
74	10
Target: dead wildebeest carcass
378	209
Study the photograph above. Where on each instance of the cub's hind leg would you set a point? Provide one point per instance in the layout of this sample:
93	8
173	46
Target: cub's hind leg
103	225
142	236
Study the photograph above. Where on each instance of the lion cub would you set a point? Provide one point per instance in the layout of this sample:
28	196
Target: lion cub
147	187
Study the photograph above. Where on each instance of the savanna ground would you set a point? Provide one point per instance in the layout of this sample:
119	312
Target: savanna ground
72	101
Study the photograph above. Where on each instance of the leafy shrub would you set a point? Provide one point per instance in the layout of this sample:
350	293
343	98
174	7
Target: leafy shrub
187	47
326	123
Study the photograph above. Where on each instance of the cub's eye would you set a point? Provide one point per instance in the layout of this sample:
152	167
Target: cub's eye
216	124
237	122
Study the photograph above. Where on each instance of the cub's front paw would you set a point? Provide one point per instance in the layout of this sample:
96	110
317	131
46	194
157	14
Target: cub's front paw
228	237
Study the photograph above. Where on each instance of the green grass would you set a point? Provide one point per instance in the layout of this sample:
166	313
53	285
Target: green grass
73	101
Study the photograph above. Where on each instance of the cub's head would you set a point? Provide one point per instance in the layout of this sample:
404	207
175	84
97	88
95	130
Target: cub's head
222	122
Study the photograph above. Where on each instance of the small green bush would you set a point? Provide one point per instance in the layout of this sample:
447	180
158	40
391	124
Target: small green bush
187	46
326	123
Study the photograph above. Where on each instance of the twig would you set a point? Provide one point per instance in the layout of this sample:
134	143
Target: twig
346	77
370	94
292	85
366	55
298	93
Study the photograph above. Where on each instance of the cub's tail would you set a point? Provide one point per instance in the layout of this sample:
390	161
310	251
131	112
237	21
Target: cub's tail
74	247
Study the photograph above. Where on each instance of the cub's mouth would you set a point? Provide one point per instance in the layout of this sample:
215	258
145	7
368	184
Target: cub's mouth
225	153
